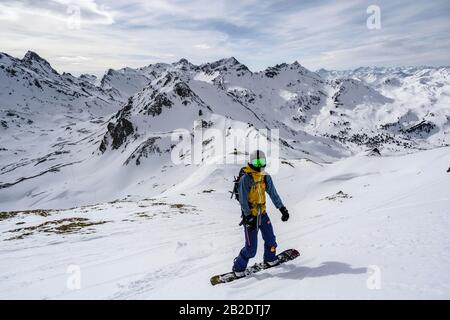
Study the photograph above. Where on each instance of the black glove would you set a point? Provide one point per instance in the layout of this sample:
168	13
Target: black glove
249	221
284	214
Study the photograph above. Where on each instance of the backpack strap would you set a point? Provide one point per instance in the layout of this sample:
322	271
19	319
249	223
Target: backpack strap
236	181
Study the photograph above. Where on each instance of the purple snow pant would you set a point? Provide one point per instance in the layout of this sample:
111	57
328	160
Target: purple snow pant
251	243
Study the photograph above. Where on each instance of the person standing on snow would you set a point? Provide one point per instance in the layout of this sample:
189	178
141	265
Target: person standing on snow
252	188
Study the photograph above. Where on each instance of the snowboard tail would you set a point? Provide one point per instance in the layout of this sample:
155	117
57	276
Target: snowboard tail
283	257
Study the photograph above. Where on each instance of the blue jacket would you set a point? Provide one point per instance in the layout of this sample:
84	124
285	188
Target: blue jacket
244	187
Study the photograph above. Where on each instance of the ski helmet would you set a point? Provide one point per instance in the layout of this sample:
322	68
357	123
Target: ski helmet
257	159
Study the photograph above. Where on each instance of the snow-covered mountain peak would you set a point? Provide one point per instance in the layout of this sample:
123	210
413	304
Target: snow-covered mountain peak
33	56
89	78
377	73
37	63
228	64
294	69
183	61
231	61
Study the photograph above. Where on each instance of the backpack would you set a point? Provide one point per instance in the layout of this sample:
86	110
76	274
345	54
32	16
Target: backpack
236	181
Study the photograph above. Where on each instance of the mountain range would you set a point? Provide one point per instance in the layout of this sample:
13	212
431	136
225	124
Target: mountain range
70	140
98	179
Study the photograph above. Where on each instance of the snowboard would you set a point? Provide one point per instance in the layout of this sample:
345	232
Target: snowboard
283	257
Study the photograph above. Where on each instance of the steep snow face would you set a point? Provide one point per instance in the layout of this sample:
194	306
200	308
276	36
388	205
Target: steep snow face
208	78
145	125
366	227
125	82
47	121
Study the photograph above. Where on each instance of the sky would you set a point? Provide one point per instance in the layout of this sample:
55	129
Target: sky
91	36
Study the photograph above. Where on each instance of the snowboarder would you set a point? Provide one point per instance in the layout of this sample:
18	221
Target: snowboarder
252	185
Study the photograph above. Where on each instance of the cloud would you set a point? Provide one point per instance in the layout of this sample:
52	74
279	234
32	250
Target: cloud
58	10
259	33
203	46
74	59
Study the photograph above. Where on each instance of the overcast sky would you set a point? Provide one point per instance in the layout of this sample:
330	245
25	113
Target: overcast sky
259	33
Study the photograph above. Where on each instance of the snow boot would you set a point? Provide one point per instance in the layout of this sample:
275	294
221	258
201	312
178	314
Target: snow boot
239	274
272	263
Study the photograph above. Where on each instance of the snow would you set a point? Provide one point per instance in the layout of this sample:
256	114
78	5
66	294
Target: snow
287	95
140	226
208	78
395	217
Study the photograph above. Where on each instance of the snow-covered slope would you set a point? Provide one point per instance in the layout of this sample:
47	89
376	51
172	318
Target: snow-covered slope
350	218
64	143
101	168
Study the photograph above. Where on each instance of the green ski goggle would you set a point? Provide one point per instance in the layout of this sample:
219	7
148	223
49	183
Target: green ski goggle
259	163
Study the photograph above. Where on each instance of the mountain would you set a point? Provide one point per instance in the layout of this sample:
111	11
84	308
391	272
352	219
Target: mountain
421	97
72	141
124	179
31	88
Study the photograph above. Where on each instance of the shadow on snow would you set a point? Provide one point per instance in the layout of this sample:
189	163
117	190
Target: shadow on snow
328	268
